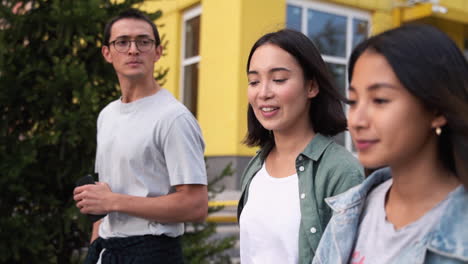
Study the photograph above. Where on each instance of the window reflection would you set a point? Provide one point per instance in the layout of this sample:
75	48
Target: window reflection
191	87
338	72
294	17
328	31
360	30
335	31
191	58
192	37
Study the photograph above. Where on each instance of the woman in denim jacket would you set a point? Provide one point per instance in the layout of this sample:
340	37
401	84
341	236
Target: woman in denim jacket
294	109
408	99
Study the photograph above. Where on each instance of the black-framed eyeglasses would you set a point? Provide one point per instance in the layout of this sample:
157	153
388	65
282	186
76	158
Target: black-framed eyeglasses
123	45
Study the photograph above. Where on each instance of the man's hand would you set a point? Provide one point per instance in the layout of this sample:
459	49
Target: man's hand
94	198
189	203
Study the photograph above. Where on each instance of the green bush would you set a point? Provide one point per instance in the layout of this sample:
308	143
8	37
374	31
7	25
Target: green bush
199	245
53	82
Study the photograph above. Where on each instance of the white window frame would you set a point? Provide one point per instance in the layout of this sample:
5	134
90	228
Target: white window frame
189	14
350	14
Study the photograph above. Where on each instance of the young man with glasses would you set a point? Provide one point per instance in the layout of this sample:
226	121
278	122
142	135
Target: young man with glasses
152	174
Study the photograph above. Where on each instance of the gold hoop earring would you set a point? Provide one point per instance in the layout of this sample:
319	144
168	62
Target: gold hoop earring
438	131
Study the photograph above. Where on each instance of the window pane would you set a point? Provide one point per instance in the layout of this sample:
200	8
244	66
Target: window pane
192	37
360	30
191	87
328	32
338	72
294	17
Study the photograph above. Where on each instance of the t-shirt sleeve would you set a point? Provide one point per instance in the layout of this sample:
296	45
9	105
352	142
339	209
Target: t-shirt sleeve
184	152
98	125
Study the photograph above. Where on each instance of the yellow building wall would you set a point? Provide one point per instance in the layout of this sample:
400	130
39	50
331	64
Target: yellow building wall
219	76
364	4
228	30
452	22
170	26
387	14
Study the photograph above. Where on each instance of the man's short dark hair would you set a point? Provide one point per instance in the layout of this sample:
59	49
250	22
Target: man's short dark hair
134	14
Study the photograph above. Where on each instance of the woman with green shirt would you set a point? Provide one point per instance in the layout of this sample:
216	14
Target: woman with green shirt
294	109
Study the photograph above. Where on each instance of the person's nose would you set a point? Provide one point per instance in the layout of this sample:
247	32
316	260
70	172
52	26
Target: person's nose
266	91
358	116
133	49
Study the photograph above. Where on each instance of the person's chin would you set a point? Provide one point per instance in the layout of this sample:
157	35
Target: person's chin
268	126
370	161
135	75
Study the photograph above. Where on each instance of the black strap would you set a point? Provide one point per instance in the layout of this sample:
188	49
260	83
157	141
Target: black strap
120	248
94	251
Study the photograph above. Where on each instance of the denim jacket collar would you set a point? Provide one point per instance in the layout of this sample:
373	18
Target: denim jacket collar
448	238
357	195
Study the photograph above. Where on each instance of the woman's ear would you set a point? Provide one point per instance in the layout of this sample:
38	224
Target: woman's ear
438	121
312	88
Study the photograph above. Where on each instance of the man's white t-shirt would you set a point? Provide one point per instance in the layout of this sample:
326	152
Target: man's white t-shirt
145	148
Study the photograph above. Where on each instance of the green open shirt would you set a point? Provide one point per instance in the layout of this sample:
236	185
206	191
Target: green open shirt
324	169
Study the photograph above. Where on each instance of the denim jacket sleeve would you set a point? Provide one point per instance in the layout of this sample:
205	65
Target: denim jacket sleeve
446	243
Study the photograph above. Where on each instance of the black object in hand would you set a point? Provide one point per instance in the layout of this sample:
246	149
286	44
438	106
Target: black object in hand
88	179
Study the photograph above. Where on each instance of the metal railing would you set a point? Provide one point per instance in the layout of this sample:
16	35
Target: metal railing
223	218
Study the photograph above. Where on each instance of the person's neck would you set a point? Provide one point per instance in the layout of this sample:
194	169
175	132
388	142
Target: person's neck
417	183
418	186
133	90
422	178
420	182
292	143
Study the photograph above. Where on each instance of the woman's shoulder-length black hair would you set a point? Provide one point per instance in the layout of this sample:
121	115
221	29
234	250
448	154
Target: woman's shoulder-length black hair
326	111
433	69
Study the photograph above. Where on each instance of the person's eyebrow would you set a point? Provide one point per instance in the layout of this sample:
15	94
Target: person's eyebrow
374	87
277	69
128	37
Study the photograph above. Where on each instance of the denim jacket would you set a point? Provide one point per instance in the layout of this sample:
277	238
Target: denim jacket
446	243
324	169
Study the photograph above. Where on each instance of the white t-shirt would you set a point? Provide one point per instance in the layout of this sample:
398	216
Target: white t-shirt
378	240
144	148
269	223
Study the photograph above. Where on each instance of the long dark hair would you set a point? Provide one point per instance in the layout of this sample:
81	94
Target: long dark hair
326	111
432	68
